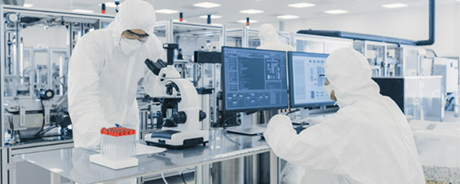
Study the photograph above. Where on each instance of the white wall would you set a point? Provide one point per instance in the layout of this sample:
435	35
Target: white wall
400	23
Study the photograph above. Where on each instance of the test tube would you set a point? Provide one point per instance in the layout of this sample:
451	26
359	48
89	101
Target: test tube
133	143
118	143
102	141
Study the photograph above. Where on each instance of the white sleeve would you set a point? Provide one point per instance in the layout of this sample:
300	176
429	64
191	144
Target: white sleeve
312	147
85	106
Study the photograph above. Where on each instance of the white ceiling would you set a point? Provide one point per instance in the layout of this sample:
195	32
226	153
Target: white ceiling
230	8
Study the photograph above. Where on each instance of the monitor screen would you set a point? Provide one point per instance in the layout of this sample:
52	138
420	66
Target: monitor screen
254	80
306	80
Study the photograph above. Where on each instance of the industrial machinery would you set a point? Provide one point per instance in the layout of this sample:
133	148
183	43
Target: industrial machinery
320	44
191	37
35	47
35	77
249	38
418	96
180	107
448	69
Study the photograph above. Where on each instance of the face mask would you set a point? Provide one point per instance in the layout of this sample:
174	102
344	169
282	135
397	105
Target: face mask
328	89
129	46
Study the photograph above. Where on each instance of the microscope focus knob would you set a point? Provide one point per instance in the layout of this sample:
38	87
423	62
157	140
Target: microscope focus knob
179	117
202	115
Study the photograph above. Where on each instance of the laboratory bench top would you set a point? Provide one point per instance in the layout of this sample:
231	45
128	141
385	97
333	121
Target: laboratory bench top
74	164
438	145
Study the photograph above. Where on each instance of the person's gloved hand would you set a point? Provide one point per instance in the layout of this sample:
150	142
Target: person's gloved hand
279	120
312	121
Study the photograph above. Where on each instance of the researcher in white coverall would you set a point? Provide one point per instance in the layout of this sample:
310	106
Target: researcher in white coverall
367	141
269	39
105	69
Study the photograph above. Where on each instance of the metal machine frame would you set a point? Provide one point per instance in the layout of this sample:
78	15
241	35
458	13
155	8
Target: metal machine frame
169	29
246	33
77	25
327	42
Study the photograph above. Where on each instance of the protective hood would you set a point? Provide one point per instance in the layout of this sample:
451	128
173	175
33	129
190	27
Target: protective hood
268	34
134	14
269	39
350	76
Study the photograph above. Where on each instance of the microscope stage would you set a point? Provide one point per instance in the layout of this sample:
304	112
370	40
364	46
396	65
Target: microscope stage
175	139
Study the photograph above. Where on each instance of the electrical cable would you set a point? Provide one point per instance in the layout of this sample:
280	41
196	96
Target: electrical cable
224	124
164	179
44	117
182	176
12	127
228	138
47	130
225	127
11	124
297	110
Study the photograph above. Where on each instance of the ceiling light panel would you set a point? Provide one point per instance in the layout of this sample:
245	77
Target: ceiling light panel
212	16
301	5
207	5
82	11
395	5
336	11
166	11
244	21
287	17
251	11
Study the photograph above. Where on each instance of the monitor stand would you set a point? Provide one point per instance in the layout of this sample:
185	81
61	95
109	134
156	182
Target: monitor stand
247	128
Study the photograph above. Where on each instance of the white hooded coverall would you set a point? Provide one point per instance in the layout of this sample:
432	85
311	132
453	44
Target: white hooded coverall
368	141
103	80
269	39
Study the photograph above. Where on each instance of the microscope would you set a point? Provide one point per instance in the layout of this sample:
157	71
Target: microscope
180	107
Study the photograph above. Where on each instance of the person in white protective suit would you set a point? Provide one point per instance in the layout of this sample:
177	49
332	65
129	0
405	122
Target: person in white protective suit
269	39
105	69
367	141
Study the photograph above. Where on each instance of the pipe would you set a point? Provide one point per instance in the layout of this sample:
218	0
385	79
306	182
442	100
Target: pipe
432	25
357	36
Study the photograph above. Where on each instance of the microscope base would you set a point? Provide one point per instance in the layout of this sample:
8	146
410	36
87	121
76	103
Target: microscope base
175	139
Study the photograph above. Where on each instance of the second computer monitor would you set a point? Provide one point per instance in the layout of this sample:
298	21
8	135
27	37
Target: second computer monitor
253	79
306	80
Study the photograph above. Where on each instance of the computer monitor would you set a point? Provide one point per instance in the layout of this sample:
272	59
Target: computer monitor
253	80
306	80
